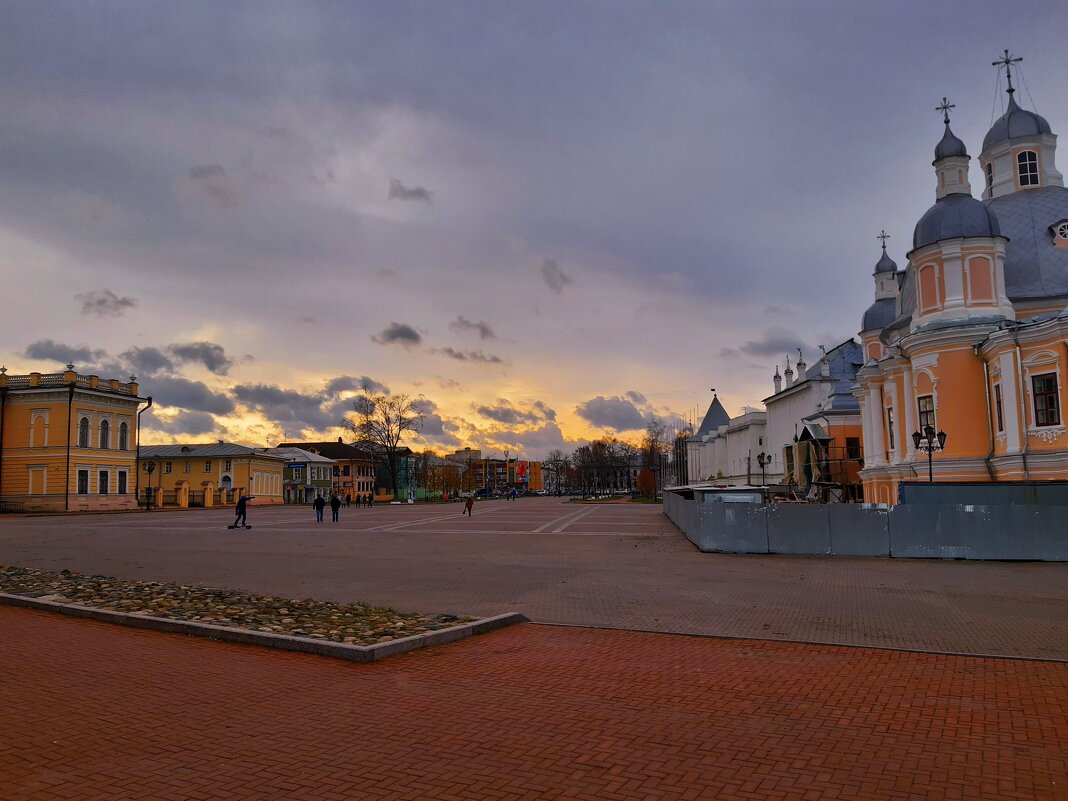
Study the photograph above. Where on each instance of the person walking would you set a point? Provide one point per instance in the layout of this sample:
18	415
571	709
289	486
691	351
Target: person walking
319	504
348	500
359	500
468	506
335	507
370	500
241	511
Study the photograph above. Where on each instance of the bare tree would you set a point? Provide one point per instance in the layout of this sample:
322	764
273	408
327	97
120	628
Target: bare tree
380	422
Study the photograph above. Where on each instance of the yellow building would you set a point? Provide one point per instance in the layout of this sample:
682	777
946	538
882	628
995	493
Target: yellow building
67	442
210	475
966	348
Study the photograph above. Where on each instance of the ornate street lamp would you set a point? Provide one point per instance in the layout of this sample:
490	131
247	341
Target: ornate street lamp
763	459
150	467
929	442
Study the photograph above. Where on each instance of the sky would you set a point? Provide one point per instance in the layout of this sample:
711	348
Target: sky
544	221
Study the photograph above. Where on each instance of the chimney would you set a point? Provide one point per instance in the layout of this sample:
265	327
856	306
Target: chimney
801	365
825	365
778	380
788	373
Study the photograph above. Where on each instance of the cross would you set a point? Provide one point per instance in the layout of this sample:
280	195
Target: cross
944	108
883	236
1007	61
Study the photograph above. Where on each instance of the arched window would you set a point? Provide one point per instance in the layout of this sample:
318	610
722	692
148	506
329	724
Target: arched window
83	433
990	175
1027	166
124	436
105	434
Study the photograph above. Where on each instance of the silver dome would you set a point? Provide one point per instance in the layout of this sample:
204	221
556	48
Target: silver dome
952	217
1015	123
1034	267
949	146
879	315
885	264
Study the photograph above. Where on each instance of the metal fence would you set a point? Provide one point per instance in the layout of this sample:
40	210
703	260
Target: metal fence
940	531
196	498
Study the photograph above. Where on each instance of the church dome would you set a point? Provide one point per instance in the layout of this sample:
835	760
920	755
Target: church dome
879	315
949	146
885	264
1034	266
952	217
1015	123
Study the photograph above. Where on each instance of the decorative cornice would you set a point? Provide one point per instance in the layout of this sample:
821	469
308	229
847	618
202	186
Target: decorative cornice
1046	434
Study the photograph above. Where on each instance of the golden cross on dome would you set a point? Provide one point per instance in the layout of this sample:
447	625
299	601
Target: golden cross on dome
944	108
1007	61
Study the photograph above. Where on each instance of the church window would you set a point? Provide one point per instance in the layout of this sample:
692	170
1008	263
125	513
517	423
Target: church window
124	436
890	428
1062	230
990	175
1000	416
853	447
105	434
1047	406
83	433
1027	163
925	405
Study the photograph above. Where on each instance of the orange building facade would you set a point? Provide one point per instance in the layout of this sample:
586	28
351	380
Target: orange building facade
970	339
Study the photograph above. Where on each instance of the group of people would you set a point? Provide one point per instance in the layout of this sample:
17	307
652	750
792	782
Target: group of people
319	504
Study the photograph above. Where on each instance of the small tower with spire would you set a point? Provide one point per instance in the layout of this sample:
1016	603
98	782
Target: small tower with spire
788	373
801	366
951	159
777	379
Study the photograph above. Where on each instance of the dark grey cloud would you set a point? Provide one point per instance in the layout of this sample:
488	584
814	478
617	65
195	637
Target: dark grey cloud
364	383
209	354
618	414
183	423
214	183
398	191
434	426
104	303
291	408
774	341
636	397
504	412
55	351
185	394
146	361
462	325
555	278
535	442
398	334
469	355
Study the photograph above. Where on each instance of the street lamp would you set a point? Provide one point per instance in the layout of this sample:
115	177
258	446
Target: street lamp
763	459
931	442
149	468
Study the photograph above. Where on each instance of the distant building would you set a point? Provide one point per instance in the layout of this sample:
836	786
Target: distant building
68	442
353	471
307	475
211	474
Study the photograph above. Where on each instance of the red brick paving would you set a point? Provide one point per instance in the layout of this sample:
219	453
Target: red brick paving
92	711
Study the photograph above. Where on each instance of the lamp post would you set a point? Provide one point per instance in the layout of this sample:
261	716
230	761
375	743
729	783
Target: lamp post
150	467
763	459
929	442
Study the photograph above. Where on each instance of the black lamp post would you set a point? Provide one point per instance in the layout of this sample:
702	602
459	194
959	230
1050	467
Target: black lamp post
149	468
929	442
763	459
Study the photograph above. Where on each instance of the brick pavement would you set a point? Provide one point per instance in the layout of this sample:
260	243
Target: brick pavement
616	565
93	711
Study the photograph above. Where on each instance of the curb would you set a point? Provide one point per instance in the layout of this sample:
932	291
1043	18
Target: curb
284	642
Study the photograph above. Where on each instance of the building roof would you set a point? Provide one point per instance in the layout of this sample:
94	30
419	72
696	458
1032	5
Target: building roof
843	361
1034	267
949	146
337	450
1015	123
195	451
885	264
879	315
715	417
300	455
952	217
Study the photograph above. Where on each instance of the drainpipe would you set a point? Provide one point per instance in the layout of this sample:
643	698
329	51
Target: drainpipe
1023	403
70	406
137	458
3	404
989	422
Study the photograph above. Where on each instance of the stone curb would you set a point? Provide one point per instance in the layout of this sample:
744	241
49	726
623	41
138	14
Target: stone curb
284	642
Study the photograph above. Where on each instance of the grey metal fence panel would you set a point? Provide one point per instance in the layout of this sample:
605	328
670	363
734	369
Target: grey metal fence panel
799	529
979	532
734	528
858	531
986	493
685	514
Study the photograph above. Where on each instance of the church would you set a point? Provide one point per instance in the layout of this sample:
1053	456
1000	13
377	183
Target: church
965	349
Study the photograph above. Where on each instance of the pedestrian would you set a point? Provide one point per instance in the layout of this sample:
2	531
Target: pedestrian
359	500
514	494
241	510
319	504
348	500
370	500
468	505
335	507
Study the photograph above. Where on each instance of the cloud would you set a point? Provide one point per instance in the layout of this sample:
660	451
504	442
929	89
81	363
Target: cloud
186	394
616	413
449	384
462	325
211	181
398	334
728	353
398	191
335	386
504	412
104	303
775	341
555	278
145	361
636	397
51	350
469	355
209	354
188	423
289	406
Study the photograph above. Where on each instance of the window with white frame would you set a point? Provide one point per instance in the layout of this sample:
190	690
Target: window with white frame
207	465
83	482
1027	165
1061	230
123	482
999	415
990	175
105	435
124	436
83	433
166	467
226	466
890	427
1045	395
925	406
103	480
187	467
